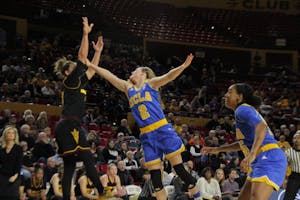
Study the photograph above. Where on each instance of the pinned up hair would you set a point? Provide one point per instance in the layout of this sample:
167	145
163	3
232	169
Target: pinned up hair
149	72
248	94
61	65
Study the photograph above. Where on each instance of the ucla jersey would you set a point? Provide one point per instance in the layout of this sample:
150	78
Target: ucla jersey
247	118
145	105
157	135
270	163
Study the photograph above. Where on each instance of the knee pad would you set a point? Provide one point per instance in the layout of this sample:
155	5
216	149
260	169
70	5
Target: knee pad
186	177
156	180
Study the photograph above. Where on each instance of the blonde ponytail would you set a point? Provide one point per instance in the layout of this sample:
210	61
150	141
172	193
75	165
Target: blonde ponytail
60	66
149	72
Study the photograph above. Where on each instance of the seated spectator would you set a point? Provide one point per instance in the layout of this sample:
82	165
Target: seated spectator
180	188
85	188
110	154
142	172
283	144
25	135
173	107
208	186
42	121
185	106
112	183
97	154
4	118
195	150
30	120
120	139
36	185
42	148
55	191
123	150
213	123
124	174
190	169
28	161
47	91
231	187
50	169
124	128
129	161
220	177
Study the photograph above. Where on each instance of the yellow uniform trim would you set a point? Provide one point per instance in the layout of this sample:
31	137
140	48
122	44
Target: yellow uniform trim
245	104
72	88
74	150
268	147
175	153
153	126
152	162
83	91
264	179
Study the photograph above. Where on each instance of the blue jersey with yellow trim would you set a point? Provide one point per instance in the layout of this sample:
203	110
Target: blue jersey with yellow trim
247	118
145	105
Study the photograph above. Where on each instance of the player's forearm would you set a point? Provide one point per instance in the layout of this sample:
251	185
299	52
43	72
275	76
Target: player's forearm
84	48
174	73
260	134
96	58
229	147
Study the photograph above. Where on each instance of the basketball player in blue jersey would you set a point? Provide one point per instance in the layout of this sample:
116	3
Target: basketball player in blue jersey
157	135
264	159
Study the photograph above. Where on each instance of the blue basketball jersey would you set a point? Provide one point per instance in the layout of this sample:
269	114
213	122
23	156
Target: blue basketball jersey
247	118
145	105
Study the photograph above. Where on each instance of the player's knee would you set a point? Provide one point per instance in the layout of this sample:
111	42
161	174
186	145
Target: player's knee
185	176
156	179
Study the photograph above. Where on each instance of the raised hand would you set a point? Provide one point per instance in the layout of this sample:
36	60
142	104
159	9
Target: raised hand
87	28
188	60
99	45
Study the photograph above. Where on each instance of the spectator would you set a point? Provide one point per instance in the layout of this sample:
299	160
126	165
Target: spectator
180	188
110	154
26	136
55	190
10	163
50	169
42	148
120	139
213	123
129	161
111	182
173	106
231	187
85	188
220	177
4	118
47	91
195	150
124	174
282	143
36	185
123	150
142	172
30	120
190	169
28	161
42	121
124	128
208	186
